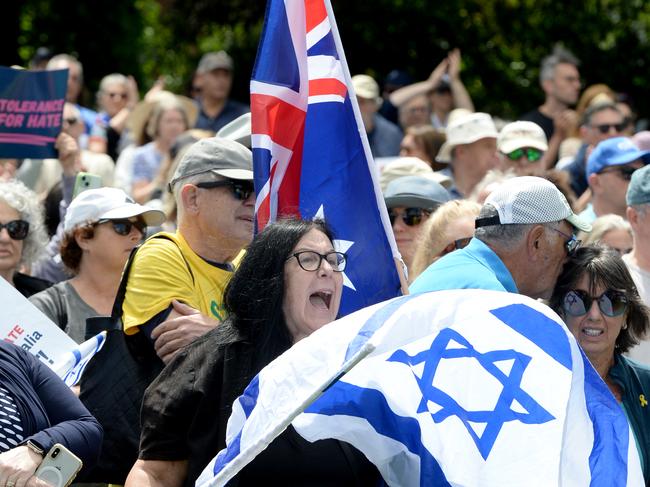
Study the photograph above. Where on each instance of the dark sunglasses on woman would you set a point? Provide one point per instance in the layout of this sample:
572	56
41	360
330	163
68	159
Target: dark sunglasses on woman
124	227
17	229
578	303
410	216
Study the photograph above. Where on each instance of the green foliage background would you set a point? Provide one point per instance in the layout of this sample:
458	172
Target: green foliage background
502	41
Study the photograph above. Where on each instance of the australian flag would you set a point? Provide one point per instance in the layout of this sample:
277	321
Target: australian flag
310	153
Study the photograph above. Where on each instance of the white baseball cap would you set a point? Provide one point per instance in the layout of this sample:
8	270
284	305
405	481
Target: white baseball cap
520	134
110	204
467	129
530	200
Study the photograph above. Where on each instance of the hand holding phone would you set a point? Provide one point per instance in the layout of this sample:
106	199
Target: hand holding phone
59	467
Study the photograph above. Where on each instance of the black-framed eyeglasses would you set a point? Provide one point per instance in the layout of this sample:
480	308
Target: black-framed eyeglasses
625	171
124	227
532	154
572	242
17	229
241	190
605	128
578	302
410	216
310	260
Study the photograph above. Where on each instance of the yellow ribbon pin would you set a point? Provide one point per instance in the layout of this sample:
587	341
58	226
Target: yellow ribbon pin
642	400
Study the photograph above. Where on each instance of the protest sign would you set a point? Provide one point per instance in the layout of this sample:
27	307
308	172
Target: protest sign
22	324
31	111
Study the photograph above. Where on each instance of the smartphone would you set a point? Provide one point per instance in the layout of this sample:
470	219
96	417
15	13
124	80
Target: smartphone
59	467
84	181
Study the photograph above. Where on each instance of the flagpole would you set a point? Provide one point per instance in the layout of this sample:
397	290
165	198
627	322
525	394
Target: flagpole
381	205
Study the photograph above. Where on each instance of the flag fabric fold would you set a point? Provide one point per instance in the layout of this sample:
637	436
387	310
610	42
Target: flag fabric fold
311	156
462	388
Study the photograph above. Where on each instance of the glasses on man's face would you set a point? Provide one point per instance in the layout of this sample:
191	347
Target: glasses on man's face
578	303
310	260
17	229
533	155
572	242
124	227
241	190
624	171
113	95
410	216
605	128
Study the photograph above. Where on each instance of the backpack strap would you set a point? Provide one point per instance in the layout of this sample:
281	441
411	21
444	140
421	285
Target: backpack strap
116	313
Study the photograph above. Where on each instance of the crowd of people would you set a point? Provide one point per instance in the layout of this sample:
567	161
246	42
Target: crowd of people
552	205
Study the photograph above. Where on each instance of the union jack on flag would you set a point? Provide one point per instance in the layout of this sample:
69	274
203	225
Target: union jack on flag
311	156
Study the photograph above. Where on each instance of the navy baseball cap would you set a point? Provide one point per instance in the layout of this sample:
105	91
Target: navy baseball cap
616	151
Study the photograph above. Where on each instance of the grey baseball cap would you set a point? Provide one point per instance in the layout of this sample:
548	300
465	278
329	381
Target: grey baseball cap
638	192
216	155
214	60
415	192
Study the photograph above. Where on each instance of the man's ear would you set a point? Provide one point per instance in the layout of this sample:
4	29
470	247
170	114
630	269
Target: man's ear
594	183
189	198
535	242
632	216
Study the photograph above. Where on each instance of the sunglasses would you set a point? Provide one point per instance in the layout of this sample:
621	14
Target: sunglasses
310	260
124	227
625	171
572	242
123	96
241	190
605	128
410	216
17	229
578	303
533	155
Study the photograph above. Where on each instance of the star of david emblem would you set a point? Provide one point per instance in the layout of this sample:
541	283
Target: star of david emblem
513	403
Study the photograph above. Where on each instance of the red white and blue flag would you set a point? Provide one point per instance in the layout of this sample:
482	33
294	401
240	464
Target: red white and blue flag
310	152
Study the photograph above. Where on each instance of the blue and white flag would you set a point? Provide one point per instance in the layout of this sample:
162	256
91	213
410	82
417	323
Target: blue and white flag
463	388
311	156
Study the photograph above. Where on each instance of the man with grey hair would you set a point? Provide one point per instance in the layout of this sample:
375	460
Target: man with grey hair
75	85
175	287
560	80
638	261
524	234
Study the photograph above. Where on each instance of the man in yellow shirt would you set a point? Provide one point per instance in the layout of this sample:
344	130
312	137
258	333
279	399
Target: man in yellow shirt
175	287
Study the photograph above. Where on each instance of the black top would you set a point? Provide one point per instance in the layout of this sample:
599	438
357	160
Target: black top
542	120
30	285
186	409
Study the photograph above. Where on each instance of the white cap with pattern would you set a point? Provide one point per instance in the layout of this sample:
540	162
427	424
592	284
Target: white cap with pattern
530	200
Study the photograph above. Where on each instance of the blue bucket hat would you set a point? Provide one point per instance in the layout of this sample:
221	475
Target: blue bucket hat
616	151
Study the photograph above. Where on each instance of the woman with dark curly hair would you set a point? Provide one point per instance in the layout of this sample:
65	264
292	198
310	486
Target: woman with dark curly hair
597	299
288	285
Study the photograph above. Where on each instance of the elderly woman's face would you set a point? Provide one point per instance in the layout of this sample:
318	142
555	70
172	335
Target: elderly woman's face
595	331
311	298
10	250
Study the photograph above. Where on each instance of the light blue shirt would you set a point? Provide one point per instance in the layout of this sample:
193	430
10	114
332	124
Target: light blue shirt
474	267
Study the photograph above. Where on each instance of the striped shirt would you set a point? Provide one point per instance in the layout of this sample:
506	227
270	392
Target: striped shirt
11	430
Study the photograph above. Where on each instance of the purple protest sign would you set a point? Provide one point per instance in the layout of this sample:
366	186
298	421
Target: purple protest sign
31	111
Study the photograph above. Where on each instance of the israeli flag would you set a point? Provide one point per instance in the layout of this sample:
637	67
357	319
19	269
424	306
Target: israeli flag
72	364
452	388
